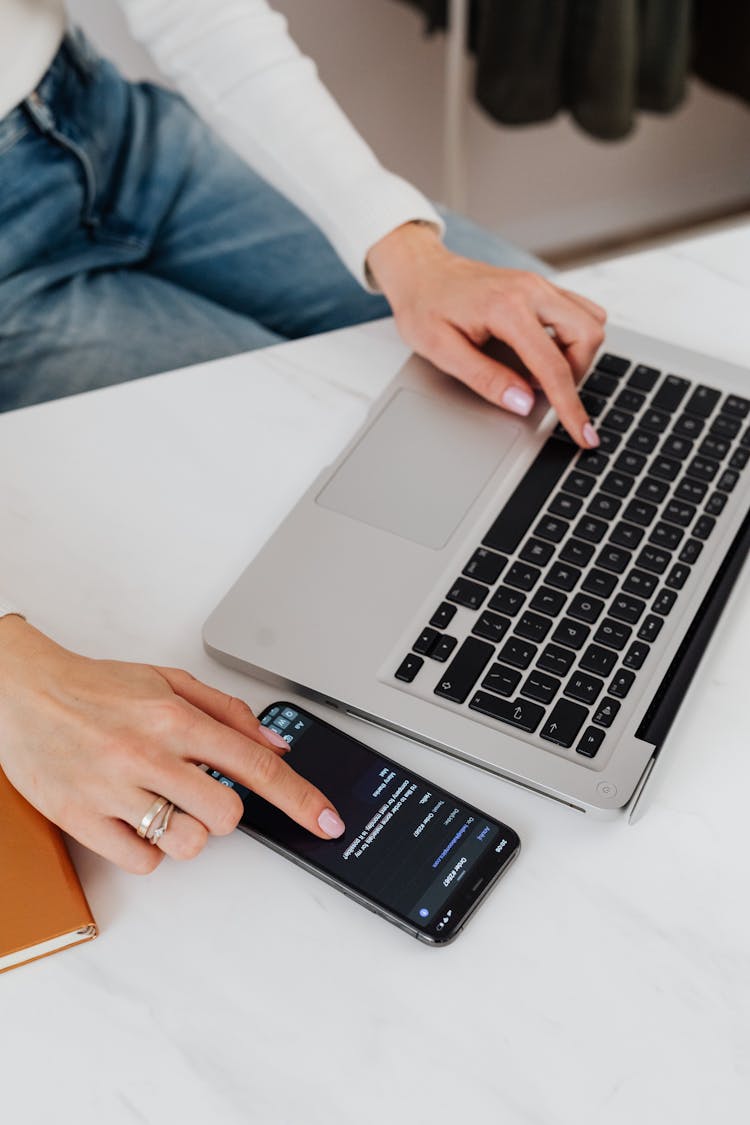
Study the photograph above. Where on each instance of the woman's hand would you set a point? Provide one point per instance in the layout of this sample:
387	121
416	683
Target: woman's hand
447	307
91	743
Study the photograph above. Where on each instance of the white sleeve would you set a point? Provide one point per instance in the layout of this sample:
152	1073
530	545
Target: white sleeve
237	65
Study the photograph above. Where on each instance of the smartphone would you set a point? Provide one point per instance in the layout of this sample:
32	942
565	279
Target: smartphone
413	853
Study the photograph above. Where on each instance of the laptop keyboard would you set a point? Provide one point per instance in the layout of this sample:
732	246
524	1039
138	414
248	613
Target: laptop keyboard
572	584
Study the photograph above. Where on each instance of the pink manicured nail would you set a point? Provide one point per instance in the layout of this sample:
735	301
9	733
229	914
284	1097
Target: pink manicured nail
517	400
331	824
590	436
274	738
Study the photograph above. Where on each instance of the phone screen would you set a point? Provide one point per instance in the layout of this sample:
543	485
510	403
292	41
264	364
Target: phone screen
409	847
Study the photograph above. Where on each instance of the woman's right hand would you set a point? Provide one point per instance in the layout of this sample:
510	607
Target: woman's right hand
92	743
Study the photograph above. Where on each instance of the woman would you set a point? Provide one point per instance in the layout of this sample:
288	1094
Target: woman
138	235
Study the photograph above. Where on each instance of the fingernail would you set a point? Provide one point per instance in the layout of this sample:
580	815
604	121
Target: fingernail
274	738
331	824
520	402
590	436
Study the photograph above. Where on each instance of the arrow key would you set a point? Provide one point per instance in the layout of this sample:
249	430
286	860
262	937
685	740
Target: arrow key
564	722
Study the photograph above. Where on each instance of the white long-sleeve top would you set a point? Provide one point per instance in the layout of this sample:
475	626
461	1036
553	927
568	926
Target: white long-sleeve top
236	63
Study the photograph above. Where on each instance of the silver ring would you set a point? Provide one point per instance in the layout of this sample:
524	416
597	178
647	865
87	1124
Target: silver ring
150	816
157	830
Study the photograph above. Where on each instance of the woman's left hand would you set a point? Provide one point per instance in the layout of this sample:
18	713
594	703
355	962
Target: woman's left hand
448	307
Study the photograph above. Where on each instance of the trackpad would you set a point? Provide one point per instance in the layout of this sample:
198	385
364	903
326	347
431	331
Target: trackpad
420	466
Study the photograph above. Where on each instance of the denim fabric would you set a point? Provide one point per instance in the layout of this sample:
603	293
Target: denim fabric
133	240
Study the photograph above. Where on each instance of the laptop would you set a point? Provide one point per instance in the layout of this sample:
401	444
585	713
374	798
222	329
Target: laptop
476	582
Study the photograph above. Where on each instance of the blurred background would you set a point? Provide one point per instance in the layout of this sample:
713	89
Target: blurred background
548	187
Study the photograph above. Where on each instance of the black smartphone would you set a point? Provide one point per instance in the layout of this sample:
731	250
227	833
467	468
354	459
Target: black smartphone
413	853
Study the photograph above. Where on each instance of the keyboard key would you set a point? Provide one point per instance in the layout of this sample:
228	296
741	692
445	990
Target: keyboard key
715	503
670	394
702	401
726	426
518	713
522	576
652	490
564	722
591	740
464	670
678	576
535	551
443	615
690	551
621	683
571	633
502	680
640	512
627	608
613	558
733	404
491	626
505	600
666	535
533	627
563	577
613	364
679	512
636	655
691	490
425	641
548	601
517	652
644	378
443	648
640	583
601	384
585	608
529	495
466	593
598	582
593	404
650	628
739	458
576	552
663	602
665	468
592	461
579	484
551	528
485	566
598	660
566	505
727	480
591	529
618	420
540	686
556	659
746	438
629	399
608	440
409	667
630	462
643	441
677	447
653	559
655	420
703	527
626	535
604	507
583	687
613	633
713	446
688	426
606	712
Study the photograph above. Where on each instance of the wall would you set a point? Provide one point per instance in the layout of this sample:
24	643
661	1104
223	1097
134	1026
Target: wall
546	186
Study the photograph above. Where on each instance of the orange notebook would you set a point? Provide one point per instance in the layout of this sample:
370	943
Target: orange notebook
42	904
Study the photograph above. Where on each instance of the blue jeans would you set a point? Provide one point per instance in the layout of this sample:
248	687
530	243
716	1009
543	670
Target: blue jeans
133	240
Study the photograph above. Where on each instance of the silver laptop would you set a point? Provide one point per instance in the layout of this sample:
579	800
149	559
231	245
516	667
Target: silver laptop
479	584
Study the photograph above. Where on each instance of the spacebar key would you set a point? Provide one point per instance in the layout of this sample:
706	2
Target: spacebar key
521	714
464	670
529	495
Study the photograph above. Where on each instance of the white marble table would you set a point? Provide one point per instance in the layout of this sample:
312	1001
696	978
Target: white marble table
606	981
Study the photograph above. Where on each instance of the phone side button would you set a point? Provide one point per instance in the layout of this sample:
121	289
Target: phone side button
518	713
